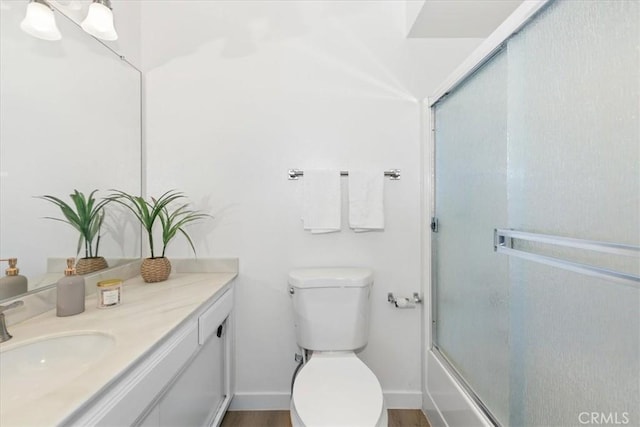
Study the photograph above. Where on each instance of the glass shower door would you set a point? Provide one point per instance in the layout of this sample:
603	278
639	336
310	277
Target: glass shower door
574	171
544	139
472	289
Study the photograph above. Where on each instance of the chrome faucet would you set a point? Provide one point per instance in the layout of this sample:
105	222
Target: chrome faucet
4	334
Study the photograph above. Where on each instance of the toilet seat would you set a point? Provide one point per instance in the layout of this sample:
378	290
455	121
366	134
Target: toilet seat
337	389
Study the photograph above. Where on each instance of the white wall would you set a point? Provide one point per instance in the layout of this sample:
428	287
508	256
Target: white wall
239	92
455	19
126	17
413	8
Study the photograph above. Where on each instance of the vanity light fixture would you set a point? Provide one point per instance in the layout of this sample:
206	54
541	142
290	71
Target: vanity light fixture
71	4
99	20
40	22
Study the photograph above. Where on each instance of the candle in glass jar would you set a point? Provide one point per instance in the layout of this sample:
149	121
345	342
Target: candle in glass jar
109	293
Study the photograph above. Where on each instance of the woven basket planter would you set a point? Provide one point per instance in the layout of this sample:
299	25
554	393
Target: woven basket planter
89	265
155	269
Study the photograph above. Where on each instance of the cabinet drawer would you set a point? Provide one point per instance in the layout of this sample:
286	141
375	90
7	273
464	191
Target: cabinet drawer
209	321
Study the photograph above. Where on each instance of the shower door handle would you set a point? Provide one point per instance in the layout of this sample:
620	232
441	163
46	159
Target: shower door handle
503	243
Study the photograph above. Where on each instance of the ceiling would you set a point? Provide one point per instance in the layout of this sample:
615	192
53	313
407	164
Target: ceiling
461	18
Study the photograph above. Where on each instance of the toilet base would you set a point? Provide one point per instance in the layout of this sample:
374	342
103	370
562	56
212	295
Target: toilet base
297	422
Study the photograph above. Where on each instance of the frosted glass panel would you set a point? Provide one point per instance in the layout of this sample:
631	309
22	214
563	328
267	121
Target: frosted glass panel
574	170
574	347
472	292
545	138
574	165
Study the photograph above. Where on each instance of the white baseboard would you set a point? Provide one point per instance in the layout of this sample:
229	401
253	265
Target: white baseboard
403	399
275	401
267	401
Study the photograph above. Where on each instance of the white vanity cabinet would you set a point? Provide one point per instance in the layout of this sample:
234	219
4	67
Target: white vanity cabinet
185	380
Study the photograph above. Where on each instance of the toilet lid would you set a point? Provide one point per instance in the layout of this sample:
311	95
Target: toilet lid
337	390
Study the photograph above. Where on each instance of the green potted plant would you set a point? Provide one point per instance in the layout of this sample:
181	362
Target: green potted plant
86	215
172	216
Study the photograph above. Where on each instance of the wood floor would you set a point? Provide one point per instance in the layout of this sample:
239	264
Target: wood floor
397	418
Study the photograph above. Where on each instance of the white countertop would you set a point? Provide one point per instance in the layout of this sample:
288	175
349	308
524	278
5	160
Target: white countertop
148	313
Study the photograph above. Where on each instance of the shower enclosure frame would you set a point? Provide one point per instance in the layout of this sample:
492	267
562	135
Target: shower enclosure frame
446	397
542	161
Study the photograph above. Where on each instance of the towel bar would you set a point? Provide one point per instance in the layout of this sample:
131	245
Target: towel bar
392	173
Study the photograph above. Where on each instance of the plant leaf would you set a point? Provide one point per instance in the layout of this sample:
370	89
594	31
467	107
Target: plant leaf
83	214
172	220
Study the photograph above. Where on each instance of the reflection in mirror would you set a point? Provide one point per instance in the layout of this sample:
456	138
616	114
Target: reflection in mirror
69	119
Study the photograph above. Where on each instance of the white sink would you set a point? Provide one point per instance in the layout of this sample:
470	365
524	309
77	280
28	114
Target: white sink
33	369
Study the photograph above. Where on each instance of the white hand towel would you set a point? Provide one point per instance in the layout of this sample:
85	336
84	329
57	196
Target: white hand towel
366	200
322	201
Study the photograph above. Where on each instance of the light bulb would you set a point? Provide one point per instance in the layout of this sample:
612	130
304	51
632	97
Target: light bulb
40	21
99	21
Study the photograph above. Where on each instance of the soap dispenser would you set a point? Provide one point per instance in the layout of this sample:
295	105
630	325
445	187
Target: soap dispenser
13	283
70	292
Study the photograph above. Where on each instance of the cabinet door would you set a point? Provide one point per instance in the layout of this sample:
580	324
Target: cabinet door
199	391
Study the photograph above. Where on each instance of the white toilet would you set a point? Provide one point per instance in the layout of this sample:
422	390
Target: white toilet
334	388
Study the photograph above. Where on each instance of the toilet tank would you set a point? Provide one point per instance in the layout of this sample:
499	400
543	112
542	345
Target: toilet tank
331	307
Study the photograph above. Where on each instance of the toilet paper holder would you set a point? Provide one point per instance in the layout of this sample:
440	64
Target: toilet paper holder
400	302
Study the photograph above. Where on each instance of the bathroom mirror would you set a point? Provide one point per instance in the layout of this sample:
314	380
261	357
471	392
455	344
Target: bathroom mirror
69	119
